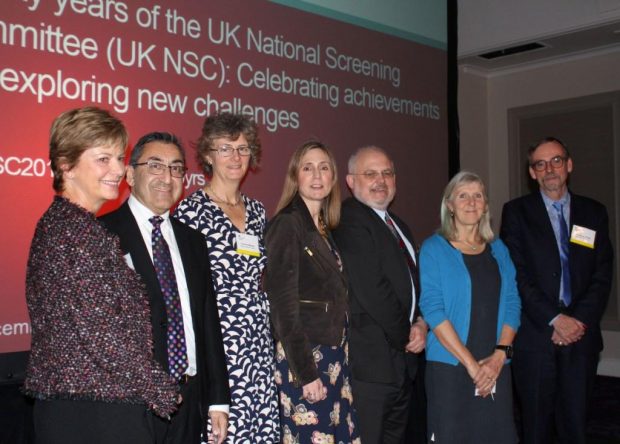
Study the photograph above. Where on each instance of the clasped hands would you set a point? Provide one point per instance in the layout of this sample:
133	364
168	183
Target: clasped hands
219	427
485	372
567	330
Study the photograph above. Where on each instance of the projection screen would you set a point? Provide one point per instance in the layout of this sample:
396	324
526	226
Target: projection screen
367	73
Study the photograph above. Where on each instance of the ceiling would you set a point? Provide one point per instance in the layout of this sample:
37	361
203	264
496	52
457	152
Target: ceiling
598	38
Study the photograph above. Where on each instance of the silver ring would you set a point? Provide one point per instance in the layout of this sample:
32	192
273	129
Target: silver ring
561	343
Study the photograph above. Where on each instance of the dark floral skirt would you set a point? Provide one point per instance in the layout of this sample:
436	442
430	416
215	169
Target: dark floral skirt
330	421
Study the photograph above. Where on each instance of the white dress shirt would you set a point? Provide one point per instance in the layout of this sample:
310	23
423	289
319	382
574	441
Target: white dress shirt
142	215
409	247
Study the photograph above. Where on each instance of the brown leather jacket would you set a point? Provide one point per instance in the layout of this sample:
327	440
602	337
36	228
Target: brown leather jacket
306	289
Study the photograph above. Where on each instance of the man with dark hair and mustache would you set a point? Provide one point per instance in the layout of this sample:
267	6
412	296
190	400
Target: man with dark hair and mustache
559	243
386	330
173	262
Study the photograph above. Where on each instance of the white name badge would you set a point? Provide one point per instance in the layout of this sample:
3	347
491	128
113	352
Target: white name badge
247	244
583	236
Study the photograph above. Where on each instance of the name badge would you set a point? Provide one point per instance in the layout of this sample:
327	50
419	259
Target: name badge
247	244
583	236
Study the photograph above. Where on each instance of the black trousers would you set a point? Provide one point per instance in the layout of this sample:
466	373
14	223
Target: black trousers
553	390
416	424
185	425
91	422
94	422
383	409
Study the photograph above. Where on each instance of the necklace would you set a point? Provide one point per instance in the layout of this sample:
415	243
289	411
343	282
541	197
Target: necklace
218	199
322	227
471	246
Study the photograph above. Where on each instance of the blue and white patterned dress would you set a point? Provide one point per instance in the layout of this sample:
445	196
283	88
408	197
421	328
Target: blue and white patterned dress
244	317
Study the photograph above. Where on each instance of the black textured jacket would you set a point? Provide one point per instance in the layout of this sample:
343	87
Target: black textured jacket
91	335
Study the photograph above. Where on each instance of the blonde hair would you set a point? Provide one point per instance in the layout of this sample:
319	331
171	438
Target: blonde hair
330	208
447	228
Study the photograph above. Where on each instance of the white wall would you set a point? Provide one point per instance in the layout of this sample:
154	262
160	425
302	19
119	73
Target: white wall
610	362
483	106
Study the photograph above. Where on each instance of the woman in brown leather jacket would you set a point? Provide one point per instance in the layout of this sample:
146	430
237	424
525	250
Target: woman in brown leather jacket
307	291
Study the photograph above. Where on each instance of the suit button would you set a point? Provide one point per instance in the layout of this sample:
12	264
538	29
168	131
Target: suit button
163	324
554	274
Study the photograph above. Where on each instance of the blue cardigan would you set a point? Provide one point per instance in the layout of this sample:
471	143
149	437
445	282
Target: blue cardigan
446	292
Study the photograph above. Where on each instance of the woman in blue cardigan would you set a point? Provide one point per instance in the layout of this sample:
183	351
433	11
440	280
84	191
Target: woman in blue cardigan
469	299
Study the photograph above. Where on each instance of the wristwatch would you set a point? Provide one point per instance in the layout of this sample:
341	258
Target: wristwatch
507	349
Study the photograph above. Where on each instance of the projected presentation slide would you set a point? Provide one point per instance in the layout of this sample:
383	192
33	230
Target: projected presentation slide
346	77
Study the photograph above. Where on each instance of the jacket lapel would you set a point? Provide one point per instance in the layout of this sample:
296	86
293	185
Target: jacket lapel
190	269
394	256
133	244
324	251
319	245
542	224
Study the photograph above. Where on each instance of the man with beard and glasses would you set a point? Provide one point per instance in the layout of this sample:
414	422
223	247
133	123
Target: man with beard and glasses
559	243
386	329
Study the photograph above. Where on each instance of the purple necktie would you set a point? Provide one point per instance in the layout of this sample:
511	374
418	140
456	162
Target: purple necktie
177	350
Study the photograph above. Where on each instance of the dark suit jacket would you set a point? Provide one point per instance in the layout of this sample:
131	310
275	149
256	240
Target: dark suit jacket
527	231
307	291
380	292
212	371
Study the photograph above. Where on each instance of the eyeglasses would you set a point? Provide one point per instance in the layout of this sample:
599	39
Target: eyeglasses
372	175
555	162
157	168
228	150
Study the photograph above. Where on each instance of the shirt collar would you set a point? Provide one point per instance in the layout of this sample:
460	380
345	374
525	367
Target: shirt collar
380	213
141	212
564	200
